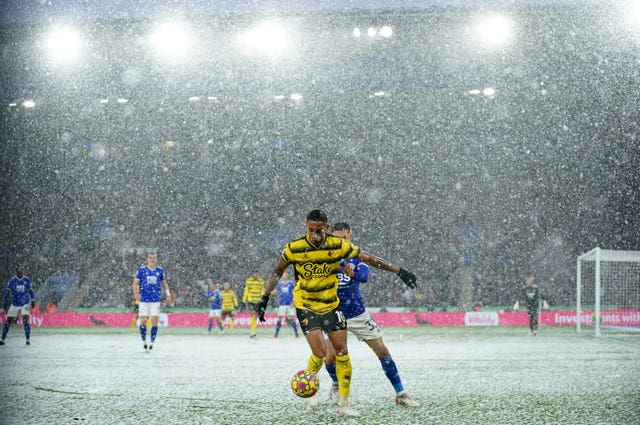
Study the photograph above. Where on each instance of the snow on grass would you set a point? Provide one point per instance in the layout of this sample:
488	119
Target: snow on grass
459	375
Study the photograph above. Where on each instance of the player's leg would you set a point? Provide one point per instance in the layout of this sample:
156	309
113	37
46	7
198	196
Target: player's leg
154	313
143	313
254	321
217	316
134	320
292	320
26	324
330	366
9	319
232	323
278	326
210	321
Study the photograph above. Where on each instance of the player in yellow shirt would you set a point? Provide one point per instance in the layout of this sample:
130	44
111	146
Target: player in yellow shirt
316	259
253	290
229	304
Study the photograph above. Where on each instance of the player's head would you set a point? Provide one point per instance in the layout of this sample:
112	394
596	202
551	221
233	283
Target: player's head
284	276
213	286
317	225
255	274
152	259
529	280
19	271
342	230
227	286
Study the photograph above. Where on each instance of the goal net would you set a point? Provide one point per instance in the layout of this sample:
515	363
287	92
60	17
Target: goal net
608	290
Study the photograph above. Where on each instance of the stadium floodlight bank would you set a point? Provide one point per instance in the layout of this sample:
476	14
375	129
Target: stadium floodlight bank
608	289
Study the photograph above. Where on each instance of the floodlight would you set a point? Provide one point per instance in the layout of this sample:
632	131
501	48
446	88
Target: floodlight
170	40
13	104
379	93
194	98
371	32
356	32
474	91
489	91
104	101
28	103
386	31
63	44
267	38
122	100
494	30
279	96
296	96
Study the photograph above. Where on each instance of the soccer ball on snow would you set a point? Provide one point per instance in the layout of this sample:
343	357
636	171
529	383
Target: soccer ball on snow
305	383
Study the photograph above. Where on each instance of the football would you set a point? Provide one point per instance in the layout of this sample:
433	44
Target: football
305	383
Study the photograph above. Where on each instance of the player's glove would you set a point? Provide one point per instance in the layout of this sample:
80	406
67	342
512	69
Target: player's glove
262	307
408	278
33	304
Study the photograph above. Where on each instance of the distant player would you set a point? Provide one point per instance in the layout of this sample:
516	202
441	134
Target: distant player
253	289
22	301
531	294
148	286
214	296
229	305
286	309
360	323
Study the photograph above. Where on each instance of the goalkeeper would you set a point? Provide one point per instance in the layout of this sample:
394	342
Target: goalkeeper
316	258
531	295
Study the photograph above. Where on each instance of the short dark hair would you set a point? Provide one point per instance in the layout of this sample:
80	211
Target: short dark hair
317	215
341	226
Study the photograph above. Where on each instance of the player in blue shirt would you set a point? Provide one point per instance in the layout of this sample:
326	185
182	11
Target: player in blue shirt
148	287
214	296
360	323
22	301
286	309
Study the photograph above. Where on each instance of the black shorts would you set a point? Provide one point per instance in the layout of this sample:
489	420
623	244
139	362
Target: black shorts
252	307
136	308
228	313
330	322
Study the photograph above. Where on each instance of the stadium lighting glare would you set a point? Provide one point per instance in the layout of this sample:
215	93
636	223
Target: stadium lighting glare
489	91
356	32
266	38
296	96
64	44
371	32
122	100
279	96
13	104
170	41
28	104
495	30
474	91
194	98
104	101
379	93
212	98
386	31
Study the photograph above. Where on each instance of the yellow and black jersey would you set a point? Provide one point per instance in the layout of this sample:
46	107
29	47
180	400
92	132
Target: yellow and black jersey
316	271
253	290
229	300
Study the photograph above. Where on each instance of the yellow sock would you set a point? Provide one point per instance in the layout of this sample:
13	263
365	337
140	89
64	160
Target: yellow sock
343	370
133	323
254	325
315	363
233	324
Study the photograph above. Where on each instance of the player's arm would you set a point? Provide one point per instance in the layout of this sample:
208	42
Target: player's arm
5	298
380	263
269	286
167	291
136	289
32	295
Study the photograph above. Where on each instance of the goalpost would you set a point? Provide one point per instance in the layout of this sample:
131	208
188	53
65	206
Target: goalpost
608	284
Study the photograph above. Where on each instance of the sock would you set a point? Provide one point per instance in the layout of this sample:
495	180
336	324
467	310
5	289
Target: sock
154	332
254	325
5	329
343	370
27	327
210	325
143	332
315	363
133	322
294	326
278	326
331	368
390	369
233	324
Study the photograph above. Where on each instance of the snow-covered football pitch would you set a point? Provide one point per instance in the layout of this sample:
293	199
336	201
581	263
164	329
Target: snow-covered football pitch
476	375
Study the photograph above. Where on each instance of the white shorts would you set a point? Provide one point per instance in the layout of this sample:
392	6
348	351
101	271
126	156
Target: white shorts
364	327
15	309
215	313
286	310
149	309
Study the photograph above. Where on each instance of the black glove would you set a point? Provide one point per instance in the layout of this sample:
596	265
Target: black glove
33	304
408	278
262	307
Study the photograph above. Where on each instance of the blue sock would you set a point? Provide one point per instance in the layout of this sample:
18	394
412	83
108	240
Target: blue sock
154	332
390	369
210	326
220	324
5	329
143	332
278	326
331	368
294	326
27	328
